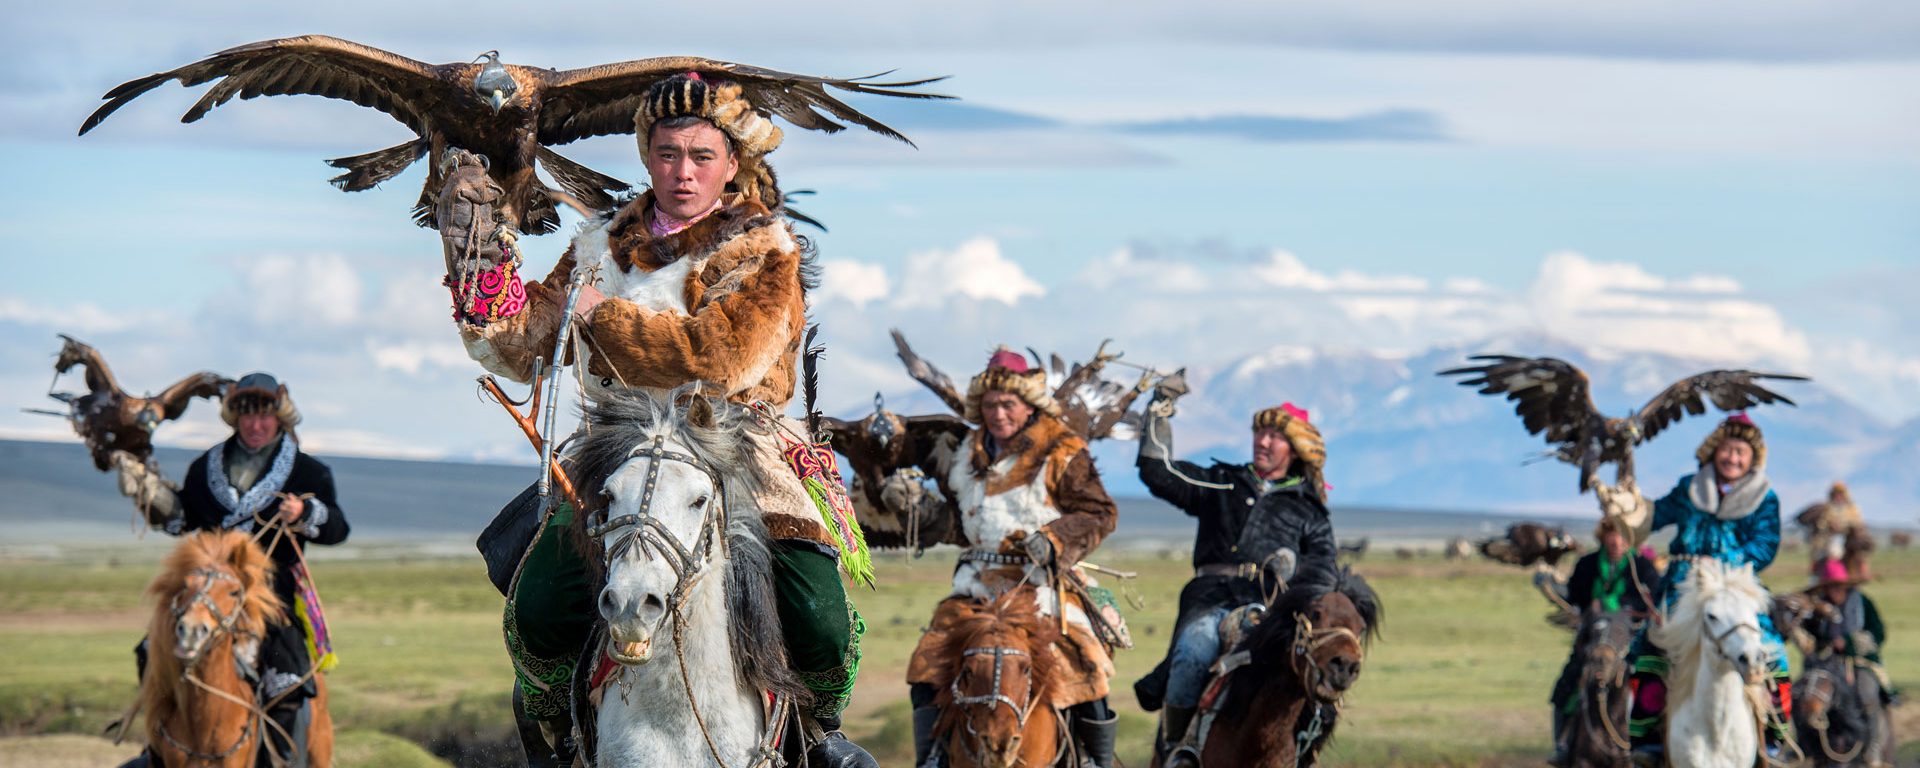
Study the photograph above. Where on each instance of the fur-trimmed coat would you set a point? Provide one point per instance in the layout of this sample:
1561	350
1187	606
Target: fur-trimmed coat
1041	482
722	301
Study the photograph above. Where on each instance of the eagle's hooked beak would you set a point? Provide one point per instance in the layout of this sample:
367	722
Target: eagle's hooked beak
497	100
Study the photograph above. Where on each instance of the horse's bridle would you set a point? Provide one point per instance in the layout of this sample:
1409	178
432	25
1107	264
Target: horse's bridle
653	536
1306	640
1720	638
227	621
226	624
994	698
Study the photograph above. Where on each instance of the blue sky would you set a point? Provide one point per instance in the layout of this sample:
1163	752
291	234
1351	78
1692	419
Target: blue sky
1200	181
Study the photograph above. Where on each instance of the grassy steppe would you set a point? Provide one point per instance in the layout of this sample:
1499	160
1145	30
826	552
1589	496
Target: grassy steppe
1459	678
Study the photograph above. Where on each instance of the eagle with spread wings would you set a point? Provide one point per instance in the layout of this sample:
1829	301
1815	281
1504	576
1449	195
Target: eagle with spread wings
109	419
892	456
1553	398
513	115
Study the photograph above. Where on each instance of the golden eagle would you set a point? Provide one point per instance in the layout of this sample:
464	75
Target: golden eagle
1092	406
1530	543
1554	398
885	443
508	113
109	419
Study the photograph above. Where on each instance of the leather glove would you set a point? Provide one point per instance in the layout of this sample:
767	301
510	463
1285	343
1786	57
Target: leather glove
468	215
152	493
1624	503
1039	548
1282	563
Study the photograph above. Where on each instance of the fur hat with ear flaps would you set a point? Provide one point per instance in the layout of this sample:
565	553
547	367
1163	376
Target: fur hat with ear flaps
258	393
1737	427
724	105
1309	449
1008	372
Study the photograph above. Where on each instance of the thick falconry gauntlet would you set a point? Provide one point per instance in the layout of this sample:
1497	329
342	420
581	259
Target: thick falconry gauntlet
1157	442
482	262
1624	504
157	498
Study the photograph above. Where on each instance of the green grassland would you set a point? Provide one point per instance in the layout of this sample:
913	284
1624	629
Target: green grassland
1459	677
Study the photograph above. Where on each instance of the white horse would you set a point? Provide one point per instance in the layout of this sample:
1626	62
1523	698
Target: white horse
688	601
1718	659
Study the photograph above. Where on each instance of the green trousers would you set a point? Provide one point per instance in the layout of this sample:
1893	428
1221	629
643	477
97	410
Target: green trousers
553	611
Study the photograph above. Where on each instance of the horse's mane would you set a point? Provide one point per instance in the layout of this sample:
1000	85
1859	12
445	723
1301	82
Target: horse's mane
1016	612
1682	632
1271	642
215	550
1278	626
717	433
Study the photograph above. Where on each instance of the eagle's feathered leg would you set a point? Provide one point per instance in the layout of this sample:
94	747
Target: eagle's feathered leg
1623	469
371	169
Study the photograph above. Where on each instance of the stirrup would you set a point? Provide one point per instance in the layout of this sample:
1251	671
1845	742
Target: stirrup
1182	756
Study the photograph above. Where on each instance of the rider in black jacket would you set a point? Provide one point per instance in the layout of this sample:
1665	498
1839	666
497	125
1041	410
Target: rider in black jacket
1609	579
1257	522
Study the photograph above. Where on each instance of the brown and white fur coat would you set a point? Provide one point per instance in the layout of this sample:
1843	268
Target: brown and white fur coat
722	302
1041	482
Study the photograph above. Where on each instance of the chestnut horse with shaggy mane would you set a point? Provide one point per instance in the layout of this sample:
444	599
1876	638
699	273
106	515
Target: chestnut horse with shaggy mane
213	599
995	695
1281	704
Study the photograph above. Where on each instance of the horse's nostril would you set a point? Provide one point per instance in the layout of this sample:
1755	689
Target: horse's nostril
609	604
653	606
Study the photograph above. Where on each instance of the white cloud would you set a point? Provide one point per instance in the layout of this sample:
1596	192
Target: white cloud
855	282
1621	305
80	318
976	270
279	290
1285	270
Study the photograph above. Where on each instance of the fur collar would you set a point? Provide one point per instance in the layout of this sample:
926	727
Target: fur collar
1045	438
242	508
1746	495
633	245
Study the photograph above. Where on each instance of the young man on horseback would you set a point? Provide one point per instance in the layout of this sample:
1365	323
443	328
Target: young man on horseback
1259	524
697	279
259	481
1031	506
1727	512
1602	581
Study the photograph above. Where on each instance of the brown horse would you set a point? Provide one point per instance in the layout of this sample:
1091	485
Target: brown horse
1283	702
1598	730
213	599
995	699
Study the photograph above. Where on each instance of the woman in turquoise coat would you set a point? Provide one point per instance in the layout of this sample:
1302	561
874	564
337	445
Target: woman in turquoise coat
1725	511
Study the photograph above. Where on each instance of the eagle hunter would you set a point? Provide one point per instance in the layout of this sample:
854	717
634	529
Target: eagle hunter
508	113
1552	397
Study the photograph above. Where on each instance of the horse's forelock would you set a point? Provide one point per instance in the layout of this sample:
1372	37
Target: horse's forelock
1014	613
622	420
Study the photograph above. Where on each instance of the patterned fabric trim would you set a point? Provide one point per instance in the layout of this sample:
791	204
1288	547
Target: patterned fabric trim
1640	727
1652	665
546	685
278	682
313	619
241	509
833	688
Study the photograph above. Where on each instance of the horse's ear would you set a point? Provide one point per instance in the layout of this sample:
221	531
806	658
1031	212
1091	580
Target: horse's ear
700	410
249	561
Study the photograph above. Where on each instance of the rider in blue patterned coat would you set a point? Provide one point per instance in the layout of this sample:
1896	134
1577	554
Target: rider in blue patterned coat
1725	511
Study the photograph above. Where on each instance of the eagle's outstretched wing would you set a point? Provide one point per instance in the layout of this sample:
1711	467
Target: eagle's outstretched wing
600	100
173	401
924	372
1551	396
1094	406
74	352
312	65
1727	390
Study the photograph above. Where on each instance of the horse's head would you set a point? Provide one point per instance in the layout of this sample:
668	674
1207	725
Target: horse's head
215	585
1716	613
660	478
1604	638
1001	684
1322	632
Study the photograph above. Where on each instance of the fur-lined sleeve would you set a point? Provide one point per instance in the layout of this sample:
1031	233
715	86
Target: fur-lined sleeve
743	328
1087	513
507	347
